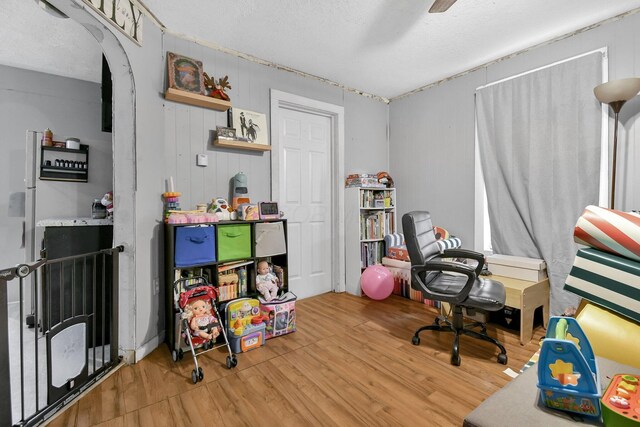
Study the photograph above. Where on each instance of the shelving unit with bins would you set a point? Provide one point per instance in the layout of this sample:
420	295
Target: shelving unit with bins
211	270
370	214
64	173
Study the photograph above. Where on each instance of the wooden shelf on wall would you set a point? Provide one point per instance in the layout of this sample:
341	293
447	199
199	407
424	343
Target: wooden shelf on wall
241	144
196	99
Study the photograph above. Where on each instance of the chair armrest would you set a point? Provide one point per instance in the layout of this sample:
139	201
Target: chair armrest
444	266
465	253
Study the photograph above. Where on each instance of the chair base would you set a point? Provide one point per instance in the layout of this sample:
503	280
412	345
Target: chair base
459	328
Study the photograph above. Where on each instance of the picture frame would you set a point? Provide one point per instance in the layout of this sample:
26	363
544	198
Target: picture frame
250	126
185	73
225	132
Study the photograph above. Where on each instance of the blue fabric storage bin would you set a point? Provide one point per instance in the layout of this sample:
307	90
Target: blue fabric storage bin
195	245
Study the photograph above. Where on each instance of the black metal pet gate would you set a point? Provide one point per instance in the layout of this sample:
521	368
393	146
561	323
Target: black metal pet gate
62	339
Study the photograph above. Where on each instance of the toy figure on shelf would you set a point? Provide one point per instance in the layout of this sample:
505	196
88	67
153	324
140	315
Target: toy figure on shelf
385	178
217	88
266	281
201	322
220	207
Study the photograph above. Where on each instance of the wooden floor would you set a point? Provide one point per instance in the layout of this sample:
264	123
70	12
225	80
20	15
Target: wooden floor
350	363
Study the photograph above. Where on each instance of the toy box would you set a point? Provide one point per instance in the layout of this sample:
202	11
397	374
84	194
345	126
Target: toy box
245	326
280	315
195	245
621	402
234	242
568	376
270	239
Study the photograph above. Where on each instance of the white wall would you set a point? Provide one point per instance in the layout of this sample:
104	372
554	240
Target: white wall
432	132
31	100
189	131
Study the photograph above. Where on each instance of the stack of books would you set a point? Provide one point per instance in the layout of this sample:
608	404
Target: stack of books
363	180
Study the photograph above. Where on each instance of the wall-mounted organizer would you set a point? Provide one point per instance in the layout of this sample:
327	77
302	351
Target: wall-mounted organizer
64	164
243	145
196	99
370	214
226	254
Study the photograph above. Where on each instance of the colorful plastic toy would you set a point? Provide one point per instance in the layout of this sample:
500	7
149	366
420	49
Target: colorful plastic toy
621	402
568	376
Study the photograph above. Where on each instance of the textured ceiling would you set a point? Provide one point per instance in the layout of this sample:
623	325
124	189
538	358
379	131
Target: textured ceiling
382	47
32	39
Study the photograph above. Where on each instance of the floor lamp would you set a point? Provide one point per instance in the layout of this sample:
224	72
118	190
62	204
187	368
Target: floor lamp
615	93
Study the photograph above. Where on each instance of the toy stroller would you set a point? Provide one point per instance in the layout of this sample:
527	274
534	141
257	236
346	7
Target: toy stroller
200	323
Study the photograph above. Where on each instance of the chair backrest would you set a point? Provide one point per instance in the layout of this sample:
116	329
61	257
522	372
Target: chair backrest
419	237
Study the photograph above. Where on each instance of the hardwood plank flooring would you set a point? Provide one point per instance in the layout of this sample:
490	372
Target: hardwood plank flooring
351	363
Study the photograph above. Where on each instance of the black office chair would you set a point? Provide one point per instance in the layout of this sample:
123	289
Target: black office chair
465	289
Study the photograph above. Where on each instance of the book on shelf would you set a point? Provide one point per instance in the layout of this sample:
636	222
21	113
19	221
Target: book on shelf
376	199
372	226
371	253
232	280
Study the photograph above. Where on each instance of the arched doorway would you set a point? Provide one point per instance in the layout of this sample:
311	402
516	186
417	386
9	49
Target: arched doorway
123	160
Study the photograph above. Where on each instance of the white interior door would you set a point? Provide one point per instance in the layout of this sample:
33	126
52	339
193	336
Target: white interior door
304	151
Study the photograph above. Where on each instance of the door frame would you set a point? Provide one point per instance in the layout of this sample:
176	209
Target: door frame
283	100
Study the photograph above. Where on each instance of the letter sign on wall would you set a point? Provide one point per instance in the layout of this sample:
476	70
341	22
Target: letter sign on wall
124	14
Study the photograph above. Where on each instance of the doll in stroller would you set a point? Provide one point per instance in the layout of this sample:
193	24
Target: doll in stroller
200	325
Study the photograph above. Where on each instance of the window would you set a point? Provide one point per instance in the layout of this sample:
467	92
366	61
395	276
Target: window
482	237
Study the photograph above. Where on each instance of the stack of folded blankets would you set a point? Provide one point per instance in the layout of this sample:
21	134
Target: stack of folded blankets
607	273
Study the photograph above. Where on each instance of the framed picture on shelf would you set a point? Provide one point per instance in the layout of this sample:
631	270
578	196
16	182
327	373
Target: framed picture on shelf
185	73
225	132
249	125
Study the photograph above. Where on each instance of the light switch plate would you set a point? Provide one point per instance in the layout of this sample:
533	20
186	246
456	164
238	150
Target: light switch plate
202	160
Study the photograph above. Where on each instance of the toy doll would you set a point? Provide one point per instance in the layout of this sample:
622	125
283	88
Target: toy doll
201	322
107	202
266	281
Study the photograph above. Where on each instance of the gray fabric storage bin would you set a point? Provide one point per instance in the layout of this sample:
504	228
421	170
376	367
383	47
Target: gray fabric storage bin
270	239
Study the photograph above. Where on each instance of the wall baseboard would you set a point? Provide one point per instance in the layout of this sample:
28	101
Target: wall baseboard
148	347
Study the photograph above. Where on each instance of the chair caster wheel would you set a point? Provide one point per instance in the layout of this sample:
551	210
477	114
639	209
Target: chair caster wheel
194	376
174	356
180	354
502	358
455	360
415	340
200	374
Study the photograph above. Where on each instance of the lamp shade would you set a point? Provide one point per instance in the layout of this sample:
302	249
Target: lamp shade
617	90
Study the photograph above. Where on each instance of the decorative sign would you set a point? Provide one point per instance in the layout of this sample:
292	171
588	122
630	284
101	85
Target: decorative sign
124	14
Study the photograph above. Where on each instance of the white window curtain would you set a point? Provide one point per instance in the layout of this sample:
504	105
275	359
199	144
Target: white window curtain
539	137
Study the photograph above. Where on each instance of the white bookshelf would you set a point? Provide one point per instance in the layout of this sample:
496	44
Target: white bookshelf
370	214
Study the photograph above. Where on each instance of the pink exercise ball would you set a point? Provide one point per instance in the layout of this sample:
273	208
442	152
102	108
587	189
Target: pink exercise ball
377	282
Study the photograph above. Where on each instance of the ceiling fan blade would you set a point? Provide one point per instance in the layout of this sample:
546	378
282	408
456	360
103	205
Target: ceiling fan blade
440	6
